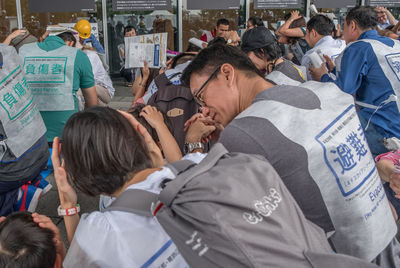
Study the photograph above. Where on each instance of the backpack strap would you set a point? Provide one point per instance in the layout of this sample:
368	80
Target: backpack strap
147	204
161	80
135	201
141	202
174	75
180	166
173	187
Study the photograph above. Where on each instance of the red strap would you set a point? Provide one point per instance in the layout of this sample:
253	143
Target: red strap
25	189
157	209
23	39
73	212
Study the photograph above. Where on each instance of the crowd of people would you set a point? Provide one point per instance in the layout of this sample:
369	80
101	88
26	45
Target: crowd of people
317	103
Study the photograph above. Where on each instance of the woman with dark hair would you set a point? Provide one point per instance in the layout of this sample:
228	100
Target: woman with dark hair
253	22
108	152
293	32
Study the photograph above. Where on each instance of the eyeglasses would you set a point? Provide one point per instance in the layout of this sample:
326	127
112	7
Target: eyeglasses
197	96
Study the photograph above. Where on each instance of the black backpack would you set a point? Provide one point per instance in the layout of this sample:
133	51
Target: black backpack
177	102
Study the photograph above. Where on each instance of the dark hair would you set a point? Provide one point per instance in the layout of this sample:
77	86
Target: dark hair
222	21
192	48
67	36
182	58
128	29
24	244
287	16
269	52
256	21
217	40
102	151
137	109
364	16
321	24
298	23
214	56
385	32
390	27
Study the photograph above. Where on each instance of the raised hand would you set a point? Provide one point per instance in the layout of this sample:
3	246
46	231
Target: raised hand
67	194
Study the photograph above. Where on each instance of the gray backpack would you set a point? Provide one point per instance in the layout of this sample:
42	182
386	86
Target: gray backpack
233	210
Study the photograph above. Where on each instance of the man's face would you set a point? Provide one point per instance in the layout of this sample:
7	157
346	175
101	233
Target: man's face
382	18
221	29
219	97
249	25
130	33
309	38
348	32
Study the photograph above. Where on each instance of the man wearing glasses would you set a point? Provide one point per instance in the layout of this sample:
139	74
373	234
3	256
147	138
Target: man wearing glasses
312	137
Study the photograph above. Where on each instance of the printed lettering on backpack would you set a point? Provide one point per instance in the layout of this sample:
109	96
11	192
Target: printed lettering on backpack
264	207
196	241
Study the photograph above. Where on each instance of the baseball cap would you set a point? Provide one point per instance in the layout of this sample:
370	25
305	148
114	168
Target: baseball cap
256	38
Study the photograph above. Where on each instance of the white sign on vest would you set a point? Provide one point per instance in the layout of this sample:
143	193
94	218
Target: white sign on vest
341	164
50	76
19	115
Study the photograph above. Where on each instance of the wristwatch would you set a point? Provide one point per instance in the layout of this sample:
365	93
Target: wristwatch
191	146
68	211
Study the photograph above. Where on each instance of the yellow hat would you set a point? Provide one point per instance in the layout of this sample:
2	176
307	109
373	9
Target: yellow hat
84	29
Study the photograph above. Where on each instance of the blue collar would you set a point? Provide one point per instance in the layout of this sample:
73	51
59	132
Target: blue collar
370	34
373	34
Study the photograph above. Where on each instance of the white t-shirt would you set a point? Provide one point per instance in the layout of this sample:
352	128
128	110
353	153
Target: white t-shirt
328	46
123	239
100	75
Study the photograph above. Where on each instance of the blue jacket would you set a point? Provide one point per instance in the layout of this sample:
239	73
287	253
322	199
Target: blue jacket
362	76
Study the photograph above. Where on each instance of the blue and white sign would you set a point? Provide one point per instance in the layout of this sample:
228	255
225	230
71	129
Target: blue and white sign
394	63
346	158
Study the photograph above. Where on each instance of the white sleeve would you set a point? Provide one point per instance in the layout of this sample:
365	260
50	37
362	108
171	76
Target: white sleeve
92	241
97	66
195	157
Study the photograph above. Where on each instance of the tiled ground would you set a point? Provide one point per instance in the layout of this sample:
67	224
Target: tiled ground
48	203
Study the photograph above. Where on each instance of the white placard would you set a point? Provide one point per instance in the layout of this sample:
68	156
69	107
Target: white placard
150	47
